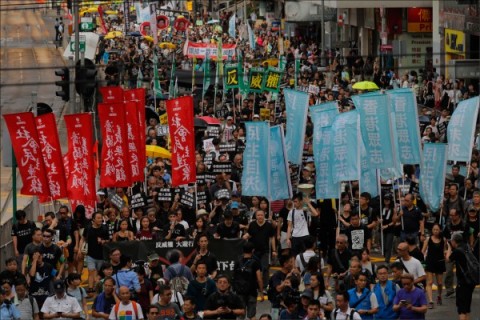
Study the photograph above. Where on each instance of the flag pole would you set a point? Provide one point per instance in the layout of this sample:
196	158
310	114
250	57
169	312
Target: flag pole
379	187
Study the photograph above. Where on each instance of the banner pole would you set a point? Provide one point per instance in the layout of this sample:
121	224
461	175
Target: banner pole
196	198
379	188
468	172
401	193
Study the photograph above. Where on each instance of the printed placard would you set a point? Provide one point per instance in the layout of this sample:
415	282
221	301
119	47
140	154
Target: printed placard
117	201
138	200
221	167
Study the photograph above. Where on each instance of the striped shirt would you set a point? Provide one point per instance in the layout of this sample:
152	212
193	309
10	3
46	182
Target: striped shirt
25	307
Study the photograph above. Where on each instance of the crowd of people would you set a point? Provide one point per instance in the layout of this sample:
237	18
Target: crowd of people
322	247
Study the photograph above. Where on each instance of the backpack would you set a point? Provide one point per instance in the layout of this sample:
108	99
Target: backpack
134	305
305	215
472	273
242	277
350	317
178	283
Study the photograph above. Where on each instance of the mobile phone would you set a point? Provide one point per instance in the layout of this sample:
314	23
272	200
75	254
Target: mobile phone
403	301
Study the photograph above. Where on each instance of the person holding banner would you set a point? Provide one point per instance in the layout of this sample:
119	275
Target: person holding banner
412	220
298	223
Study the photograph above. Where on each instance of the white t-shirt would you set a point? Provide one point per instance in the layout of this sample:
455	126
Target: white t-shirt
126	311
300	225
414	267
306	256
67	304
346	315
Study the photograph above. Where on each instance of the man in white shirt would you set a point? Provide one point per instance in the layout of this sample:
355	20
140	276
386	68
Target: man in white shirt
126	307
411	265
298	223
61	306
302	259
343	310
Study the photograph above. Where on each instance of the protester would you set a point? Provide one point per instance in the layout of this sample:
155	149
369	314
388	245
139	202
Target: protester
61	305
223	303
125	307
7	309
456	248
410	302
385	291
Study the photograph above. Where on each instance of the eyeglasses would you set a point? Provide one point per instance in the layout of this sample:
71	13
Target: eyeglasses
47	236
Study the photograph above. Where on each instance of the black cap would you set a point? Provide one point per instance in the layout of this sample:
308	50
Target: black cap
58	285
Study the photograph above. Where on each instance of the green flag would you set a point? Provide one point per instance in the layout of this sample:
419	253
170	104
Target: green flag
157	89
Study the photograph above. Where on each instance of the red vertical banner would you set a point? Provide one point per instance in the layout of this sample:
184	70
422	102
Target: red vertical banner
112	94
134	142
81	173
138	95
115	169
27	149
52	155
182	135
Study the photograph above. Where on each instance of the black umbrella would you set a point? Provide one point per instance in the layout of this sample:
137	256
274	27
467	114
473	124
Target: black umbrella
199	123
134	34
43	108
151	114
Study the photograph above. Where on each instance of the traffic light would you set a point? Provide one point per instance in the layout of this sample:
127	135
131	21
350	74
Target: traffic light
64	73
85	78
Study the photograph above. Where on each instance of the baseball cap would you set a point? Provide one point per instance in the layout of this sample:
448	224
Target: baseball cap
59	285
256	116
234	205
201	212
229	118
307	293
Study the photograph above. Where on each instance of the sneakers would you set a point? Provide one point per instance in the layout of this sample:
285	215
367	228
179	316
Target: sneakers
450	294
439	300
430	305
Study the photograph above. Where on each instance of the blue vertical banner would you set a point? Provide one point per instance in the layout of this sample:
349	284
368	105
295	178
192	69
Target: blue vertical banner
231	25
256	172
461	130
368	179
325	187
346	147
323	116
296	103
432	174
376	129
404	104
280	186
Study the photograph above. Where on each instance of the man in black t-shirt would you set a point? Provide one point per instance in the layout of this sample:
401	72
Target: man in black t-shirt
22	232
51	253
412	220
228	229
338	262
174	230
359	236
262	234
95	235
41	275
223	304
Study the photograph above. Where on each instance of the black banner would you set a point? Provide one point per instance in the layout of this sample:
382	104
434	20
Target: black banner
213	131
187	199
201	197
228	147
165	194
117	201
226	251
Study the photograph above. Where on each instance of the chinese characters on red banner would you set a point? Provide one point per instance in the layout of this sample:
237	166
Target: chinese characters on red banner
28	153
115	169
52	155
180	123
81	173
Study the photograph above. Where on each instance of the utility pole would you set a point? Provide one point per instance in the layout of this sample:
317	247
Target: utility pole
323	55
76	20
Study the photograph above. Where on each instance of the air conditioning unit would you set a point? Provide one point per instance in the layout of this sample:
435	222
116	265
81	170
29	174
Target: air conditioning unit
303	11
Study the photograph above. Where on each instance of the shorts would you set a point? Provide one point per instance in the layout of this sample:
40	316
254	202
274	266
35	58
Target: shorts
94	264
251	306
463	298
283	241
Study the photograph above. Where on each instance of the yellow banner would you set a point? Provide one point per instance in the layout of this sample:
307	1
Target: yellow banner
454	41
164	119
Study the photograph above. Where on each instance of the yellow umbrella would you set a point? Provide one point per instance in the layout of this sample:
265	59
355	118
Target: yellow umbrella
365	85
90	10
157	152
108	12
113	35
167	45
148	38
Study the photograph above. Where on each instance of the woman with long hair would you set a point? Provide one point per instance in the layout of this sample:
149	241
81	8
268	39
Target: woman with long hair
433	250
123	234
145	233
388	225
